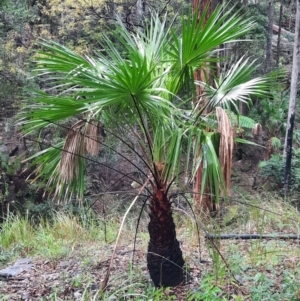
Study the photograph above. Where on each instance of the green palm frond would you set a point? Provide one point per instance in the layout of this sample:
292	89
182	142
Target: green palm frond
49	110
236	85
199	40
140	85
208	158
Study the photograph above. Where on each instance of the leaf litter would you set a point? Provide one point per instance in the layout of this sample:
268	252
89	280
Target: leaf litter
68	278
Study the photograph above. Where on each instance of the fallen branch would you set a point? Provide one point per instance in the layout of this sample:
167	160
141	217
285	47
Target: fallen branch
252	236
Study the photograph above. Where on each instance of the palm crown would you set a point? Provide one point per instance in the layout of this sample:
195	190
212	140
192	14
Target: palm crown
140	83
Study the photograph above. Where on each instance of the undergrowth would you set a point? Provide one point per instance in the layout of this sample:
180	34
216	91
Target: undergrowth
262	269
52	238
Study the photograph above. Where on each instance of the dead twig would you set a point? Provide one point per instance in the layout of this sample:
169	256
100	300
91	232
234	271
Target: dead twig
105	281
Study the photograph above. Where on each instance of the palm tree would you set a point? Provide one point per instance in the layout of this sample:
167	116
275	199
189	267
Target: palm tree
145	85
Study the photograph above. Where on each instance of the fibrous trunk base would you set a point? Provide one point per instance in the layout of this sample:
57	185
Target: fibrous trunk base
165	269
164	258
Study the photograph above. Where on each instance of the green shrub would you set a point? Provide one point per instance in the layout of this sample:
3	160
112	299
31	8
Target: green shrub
272	171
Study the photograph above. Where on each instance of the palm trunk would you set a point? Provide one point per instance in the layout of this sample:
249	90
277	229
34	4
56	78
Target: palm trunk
164	258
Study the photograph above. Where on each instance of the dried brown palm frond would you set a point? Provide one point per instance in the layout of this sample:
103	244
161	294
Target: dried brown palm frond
92	137
257	129
81	136
226	145
73	148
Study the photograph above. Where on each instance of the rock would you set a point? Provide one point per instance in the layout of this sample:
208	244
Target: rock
25	296
240	279
23	261
23	264
77	295
63	264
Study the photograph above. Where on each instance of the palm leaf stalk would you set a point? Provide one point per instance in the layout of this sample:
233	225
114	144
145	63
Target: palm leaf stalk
203	203
137	86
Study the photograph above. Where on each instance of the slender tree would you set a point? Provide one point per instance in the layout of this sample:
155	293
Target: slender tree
279	33
292	104
269	52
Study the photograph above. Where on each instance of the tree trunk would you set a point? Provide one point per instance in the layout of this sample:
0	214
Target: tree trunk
140	13
279	34
164	258
292	104
269	54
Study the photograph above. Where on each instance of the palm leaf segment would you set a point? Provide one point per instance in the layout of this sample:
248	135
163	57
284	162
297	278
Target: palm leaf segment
145	82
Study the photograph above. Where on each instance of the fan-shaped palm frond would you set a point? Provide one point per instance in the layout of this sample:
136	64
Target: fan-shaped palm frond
236	85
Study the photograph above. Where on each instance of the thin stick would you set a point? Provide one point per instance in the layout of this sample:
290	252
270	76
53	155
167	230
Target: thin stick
105	281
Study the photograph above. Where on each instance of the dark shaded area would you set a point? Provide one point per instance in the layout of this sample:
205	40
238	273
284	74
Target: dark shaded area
14	151
289	149
164	257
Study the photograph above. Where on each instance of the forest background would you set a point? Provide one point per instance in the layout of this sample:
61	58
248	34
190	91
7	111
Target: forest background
258	172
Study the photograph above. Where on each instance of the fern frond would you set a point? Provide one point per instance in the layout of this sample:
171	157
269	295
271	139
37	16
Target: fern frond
242	121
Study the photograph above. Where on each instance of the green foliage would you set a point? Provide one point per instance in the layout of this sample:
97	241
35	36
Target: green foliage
275	143
246	122
241	122
263	287
272	171
259	13
255	39
50	238
207	291
271	113
8	254
81	25
154	294
139	87
16	38
290	286
9	165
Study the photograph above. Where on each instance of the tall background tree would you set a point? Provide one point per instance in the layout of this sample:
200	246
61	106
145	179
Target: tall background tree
288	146
269	52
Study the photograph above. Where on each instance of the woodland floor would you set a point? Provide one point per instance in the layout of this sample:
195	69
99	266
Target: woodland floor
83	270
